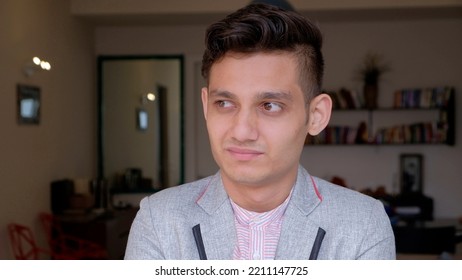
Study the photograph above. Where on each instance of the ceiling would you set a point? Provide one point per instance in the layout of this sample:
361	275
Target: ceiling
203	12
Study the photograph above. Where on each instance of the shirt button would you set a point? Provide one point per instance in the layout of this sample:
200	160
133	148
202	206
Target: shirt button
256	256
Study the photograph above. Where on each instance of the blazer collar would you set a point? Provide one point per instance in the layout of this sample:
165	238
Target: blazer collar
217	228
298	230
213	196
306	196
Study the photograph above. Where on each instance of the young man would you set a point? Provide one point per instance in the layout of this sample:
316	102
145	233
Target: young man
263	68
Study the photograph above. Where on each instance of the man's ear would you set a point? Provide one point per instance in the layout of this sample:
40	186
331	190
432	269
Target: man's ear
319	113
205	97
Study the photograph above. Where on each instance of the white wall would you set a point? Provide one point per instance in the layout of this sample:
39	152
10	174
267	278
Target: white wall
422	52
63	145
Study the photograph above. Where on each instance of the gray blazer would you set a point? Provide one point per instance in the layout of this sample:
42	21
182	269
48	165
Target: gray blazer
356	226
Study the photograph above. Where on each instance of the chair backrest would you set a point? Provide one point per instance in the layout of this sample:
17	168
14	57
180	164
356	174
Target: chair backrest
65	246
52	230
23	242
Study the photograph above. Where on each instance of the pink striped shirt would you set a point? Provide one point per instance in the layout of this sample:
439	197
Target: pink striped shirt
257	233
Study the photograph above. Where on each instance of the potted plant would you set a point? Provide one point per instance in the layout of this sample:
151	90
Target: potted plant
372	68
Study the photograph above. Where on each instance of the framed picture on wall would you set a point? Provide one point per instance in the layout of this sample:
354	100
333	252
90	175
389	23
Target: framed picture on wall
141	119
411	169
28	101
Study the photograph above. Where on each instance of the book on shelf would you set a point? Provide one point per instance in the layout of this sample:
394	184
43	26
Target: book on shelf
346	99
335	134
416	133
436	97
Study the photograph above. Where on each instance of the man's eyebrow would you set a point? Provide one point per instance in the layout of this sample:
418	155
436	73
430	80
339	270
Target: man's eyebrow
265	95
278	95
222	93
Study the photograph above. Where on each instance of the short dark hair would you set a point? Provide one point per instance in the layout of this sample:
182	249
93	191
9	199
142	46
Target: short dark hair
266	28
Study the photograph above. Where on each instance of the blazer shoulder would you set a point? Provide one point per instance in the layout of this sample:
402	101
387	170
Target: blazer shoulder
177	197
343	194
348	205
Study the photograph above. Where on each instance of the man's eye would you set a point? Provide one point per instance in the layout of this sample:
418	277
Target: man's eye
224	104
272	107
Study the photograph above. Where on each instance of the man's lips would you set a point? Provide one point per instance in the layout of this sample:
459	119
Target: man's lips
243	153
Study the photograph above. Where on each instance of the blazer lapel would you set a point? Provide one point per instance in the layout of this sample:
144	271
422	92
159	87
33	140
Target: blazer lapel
297	239
299	232
217	229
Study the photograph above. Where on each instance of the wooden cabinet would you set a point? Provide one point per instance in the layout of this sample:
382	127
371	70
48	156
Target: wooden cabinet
109	229
427	237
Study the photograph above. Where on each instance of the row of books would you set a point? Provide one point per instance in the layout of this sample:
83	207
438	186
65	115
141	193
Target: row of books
436	97
341	135
431	97
346	99
425	133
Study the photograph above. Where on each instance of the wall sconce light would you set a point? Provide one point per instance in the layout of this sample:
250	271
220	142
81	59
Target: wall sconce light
142	117
147	97
36	64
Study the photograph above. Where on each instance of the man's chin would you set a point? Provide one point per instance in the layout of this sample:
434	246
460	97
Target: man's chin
249	177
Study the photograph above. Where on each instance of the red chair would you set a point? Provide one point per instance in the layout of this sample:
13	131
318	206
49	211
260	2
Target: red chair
68	247
23	243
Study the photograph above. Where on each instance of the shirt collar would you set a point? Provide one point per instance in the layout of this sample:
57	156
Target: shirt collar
250	218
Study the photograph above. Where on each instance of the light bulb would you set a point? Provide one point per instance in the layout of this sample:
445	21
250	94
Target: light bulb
151	96
36	60
45	65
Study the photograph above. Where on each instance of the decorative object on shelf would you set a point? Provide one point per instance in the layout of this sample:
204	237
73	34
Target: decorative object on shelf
411	170
370	71
28	99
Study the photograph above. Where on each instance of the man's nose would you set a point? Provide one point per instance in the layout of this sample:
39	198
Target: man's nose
245	125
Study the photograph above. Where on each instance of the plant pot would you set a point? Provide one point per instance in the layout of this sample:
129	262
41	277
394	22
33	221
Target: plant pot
370	96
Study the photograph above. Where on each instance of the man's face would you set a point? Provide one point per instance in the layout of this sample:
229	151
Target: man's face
256	118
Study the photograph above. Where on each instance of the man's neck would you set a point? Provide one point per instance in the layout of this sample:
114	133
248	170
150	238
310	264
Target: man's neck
258	198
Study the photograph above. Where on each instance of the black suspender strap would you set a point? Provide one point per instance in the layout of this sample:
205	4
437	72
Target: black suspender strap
201	249
199	243
317	244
